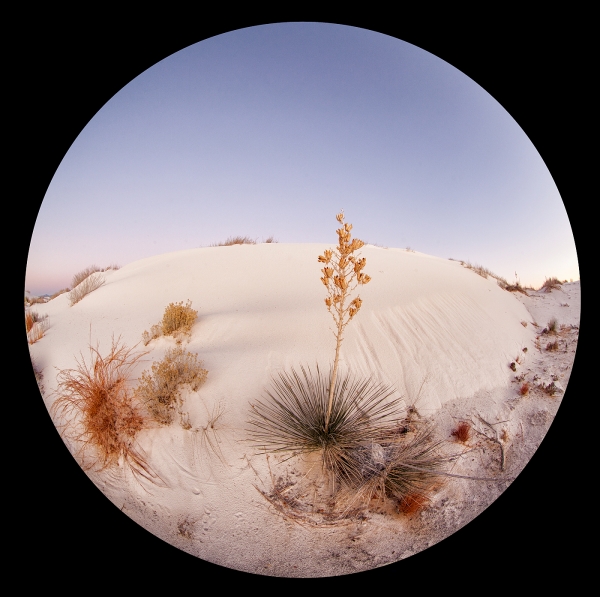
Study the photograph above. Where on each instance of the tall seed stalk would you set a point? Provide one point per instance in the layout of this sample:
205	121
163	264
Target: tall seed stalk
341	275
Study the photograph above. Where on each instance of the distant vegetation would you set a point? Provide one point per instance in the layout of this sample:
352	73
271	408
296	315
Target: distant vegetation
241	240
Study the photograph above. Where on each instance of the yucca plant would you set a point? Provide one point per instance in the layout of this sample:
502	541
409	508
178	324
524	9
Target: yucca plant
341	275
336	413
297	417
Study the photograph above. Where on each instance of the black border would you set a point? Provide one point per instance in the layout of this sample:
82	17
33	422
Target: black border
64	71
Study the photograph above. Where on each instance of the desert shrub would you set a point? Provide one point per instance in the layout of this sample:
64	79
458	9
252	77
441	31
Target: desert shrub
524	389
35	325
411	466
160	389
90	283
552	345
36	300
177	321
236	240
551	284
100	413
462	432
178	318
270	239
79	277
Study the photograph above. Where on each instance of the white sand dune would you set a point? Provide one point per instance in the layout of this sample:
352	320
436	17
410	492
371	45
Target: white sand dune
442	335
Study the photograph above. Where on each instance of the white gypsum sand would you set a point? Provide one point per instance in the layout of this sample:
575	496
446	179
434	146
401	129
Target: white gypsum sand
444	336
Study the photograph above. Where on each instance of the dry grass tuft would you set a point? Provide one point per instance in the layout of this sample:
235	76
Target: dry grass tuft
35	326
400	467
270	239
524	389
412	503
462	432
100	414
552	345
236	240
177	321
39	377
551	284
88	284
58	293
79	277
160	390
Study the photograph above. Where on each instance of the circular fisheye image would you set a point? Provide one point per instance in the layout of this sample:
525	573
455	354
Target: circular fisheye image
286	306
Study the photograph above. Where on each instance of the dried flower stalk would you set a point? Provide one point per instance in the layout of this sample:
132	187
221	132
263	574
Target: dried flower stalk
341	275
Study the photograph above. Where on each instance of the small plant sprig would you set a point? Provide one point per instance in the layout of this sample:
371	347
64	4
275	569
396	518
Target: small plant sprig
341	275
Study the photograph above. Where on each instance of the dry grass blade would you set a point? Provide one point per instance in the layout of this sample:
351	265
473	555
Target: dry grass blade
35	325
401	468
236	240
100	414
89	284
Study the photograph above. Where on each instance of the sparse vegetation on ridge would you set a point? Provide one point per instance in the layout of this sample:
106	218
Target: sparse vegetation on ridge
84	282
242	240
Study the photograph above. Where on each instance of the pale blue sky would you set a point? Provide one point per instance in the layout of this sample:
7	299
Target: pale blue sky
270	130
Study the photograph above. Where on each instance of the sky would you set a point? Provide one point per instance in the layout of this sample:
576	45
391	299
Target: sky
272	130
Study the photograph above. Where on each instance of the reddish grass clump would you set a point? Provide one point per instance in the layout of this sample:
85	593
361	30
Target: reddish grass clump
462	432
412	503
524	389
100	414
552	345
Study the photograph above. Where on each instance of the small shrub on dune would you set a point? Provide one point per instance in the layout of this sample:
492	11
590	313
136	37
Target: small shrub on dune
235	240
91	282
79	277
524	389
551	284
35	326
160	389
100	413
177	321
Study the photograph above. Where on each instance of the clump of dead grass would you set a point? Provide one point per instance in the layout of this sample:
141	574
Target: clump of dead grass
177	321
92	280
462	431
552	346
524	389
39	376
551	284
59	292
36	325
235	240
100	413
160	389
